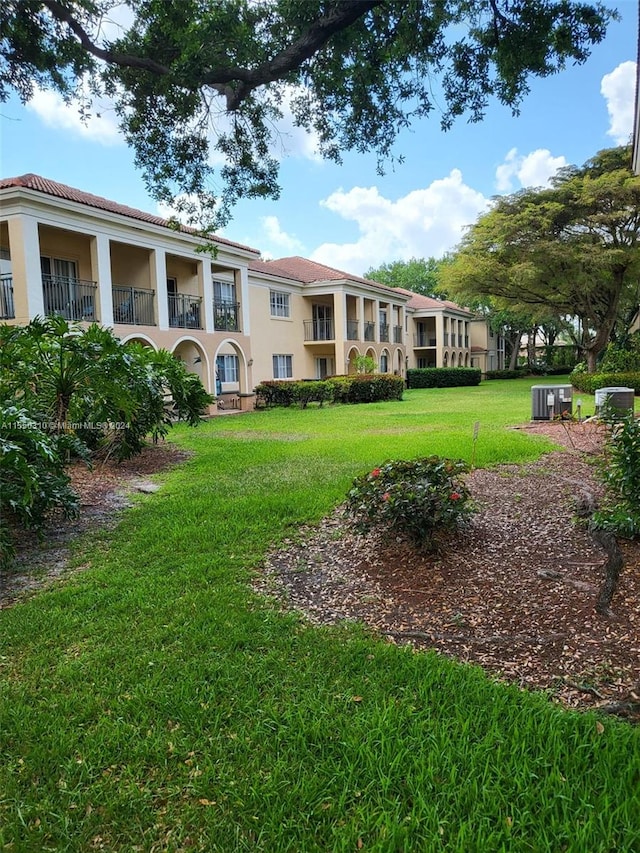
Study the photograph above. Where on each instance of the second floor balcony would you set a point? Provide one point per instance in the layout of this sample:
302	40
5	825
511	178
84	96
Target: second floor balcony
133	306
424	340
384	331
397	334
71	298
7	306
352	330
226	316
369	331
318	330
185	311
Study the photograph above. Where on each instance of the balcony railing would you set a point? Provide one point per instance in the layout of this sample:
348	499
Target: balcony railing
318	330
185	311
352	330
226	316
7	307
446	339
397	334
423	341
384	331
71	298
369	331
132	306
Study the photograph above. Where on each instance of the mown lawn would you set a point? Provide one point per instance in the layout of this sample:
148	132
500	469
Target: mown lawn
154	703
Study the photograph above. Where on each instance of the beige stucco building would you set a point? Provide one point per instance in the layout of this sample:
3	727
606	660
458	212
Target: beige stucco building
231	317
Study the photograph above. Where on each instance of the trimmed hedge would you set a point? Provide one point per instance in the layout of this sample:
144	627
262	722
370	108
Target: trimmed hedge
504	374
442	377
360	388
589	383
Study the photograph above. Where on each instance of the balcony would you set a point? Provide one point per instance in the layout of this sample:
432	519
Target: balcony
226	316
132	306
369	331
422	341
352	330
384	331
185	311
71	298
7	307
318	330
397	334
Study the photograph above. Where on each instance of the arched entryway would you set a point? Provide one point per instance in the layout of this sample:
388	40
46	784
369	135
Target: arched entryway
352	355
194	357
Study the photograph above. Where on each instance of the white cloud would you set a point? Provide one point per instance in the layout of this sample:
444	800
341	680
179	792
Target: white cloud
618	90
530	170
425	223
100	126
274	238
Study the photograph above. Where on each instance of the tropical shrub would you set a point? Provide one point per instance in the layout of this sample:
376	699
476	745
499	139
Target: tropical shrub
442	377
284	392
33	483
620	473
424	499
367	388
589	383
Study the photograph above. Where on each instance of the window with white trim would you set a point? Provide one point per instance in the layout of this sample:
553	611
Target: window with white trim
224	292
227	368
279	303
283	367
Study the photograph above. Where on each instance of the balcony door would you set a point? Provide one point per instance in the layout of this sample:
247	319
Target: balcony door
59	280
322	323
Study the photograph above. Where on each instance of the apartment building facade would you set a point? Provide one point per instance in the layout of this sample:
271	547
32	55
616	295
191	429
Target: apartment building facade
230	316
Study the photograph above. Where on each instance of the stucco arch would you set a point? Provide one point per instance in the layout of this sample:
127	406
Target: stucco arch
224	347
386	352
353	353
453	359
445	359
195	358
399	362
139	338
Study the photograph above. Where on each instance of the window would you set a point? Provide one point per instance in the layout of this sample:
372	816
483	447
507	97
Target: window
279	302
282	366
384	363
227	368
224	291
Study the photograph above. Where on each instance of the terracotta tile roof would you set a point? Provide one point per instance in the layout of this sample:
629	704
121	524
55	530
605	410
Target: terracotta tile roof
309	272
428	303
53	188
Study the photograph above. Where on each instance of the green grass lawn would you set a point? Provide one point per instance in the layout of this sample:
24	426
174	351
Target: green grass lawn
154	703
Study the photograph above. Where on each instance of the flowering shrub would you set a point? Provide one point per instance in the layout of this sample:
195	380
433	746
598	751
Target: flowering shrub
619	471
421	498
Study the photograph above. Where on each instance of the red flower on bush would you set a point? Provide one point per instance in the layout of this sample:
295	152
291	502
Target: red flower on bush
375	472
455	496
386	496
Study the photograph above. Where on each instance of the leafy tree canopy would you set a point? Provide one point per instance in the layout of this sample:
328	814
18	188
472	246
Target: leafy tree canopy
568	250
194	78
419	275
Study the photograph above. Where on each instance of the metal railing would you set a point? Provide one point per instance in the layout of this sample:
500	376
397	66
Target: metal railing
318	330
423	341
7	306
226	316
352	330
71	298
384	331
132	306
369	331
397	334
185	311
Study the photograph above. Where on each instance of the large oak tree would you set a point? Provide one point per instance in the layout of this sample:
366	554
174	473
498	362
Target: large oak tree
573	249
196	77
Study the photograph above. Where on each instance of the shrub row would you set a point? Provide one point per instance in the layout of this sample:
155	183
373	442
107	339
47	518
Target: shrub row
442	377
361	388
589	383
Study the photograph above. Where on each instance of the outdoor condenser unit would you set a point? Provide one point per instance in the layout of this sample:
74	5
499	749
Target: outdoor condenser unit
549	401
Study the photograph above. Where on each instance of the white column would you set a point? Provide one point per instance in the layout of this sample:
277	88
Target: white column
340	328
205	280
159	275
242	284
101	271
24	246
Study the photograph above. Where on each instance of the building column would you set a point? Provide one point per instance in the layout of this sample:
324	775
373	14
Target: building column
24	248
241	277
360	318
340	330
205	283
101	271
159	276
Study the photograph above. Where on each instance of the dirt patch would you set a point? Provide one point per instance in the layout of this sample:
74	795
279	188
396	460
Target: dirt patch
514	593
104	491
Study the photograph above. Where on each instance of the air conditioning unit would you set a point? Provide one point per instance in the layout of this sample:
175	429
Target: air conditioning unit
550	401
618	398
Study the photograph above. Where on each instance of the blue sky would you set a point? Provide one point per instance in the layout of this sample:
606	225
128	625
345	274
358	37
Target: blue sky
349	216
